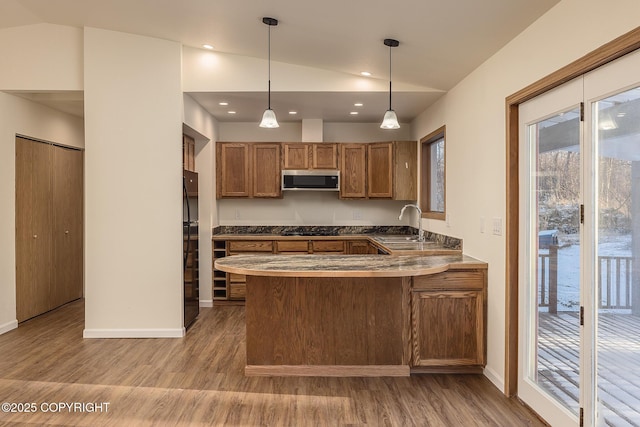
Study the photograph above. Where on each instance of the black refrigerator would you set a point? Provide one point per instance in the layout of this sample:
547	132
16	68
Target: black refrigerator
190	246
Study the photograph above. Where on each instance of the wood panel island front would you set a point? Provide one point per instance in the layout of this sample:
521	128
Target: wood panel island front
362	315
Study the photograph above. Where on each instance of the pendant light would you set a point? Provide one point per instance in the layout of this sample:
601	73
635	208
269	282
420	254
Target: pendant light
390	120
269	116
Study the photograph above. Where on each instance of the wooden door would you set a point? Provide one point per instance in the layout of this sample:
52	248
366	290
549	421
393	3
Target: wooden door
448	328
324	156
233	165
266	170
353	171
380	170
33	228
296	156
67	230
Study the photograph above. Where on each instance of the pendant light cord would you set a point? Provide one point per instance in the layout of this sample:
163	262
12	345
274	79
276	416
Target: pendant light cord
389	77
269	61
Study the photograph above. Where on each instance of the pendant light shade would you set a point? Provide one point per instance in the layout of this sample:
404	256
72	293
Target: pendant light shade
269	119
269	116
390	120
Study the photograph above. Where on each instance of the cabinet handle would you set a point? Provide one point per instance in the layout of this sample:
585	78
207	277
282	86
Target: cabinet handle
66	231
35	236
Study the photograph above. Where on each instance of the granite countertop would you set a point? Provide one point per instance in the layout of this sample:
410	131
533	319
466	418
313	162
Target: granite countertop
392	240
345	265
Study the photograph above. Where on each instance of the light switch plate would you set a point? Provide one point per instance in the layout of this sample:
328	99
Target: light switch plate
497	226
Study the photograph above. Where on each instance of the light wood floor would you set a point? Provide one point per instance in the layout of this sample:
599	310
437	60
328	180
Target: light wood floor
198	381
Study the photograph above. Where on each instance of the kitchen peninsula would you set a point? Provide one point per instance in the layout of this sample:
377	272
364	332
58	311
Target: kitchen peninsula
362	315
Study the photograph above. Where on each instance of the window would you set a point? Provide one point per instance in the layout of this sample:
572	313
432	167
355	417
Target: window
432	183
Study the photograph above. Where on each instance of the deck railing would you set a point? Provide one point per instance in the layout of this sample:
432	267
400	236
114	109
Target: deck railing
614	281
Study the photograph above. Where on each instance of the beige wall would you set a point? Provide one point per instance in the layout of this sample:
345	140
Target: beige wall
133	163
200	125
21	117
474	113
41	57
31	59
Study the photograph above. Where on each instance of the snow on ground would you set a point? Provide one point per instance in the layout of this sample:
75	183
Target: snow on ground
569	265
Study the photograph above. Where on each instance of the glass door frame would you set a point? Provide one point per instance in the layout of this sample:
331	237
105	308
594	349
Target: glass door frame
565	98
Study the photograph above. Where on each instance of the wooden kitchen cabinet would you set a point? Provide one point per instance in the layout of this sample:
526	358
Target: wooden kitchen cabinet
233	168
266	170
360	247
353	171
324	156
310	156
331	247
380	170
248	170
237	283
385	170
296	156
448	321
292	247
188	153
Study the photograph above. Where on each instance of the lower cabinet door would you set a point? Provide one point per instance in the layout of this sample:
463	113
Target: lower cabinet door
447	328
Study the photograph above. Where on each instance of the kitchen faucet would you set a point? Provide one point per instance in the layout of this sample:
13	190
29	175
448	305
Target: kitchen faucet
420	236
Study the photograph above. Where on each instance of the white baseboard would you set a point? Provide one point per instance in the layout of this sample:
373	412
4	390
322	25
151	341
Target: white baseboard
206	303
496	379
8	326
133	333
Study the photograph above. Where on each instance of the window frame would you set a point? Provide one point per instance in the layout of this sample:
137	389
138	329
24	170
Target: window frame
426	186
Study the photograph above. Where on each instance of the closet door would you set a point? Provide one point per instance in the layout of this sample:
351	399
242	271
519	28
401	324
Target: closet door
67	230
33	225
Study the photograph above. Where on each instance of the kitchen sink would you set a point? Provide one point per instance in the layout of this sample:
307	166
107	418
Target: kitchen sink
397	239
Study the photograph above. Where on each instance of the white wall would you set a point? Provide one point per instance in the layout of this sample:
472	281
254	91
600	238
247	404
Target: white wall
34	57
19	116
201	126
474	113
133	162
41	57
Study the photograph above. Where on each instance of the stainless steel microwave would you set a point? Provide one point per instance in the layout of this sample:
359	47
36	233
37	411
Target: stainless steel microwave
313	180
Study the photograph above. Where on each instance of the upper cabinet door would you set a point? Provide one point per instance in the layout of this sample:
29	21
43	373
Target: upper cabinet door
324	156
233	165
296	156
380	170
353	171
266	171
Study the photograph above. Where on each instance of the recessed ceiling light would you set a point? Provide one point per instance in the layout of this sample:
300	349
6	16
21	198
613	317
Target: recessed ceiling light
365	73
231	112
207	46
621	114
293	112
358	104
354	113
223	103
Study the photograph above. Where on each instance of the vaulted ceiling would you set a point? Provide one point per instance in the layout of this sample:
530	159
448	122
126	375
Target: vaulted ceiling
440	41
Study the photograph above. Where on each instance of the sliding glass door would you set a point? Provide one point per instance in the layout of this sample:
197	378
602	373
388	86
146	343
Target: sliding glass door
612	97
579	353
550	135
